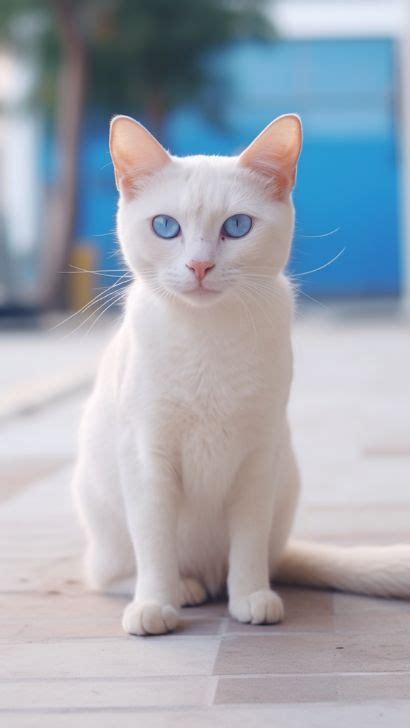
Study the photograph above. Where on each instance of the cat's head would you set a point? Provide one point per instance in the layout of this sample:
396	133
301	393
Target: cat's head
203	228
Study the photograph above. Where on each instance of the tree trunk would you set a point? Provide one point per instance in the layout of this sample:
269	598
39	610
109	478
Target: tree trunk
70	107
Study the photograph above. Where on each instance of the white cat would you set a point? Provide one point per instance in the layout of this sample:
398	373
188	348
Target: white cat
186	480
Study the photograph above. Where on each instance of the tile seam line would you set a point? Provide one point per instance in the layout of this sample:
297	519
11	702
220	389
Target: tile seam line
221	707
222	676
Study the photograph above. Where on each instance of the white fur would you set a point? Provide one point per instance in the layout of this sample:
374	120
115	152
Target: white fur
186	465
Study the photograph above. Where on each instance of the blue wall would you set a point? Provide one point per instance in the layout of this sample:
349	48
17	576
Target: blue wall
348	176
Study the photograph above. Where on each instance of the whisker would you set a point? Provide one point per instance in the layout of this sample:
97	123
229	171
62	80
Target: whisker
262	288
114	296
323	235
95	273
303	293
78	269
119	295
321	267
116	253
96	299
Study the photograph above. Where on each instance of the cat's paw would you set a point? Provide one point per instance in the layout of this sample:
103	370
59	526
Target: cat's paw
144	618
260	607
192	592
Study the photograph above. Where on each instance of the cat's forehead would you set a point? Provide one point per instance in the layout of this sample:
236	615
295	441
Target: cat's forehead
201	185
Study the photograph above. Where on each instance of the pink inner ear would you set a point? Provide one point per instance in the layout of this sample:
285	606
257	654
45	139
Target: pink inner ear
278	178
136	154
274	154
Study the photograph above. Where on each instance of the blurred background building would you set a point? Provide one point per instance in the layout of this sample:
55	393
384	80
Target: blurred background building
206	77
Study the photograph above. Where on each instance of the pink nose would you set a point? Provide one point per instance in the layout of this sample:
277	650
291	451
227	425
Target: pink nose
200	268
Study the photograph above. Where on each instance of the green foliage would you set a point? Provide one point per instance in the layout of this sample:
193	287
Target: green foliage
154	49
142	54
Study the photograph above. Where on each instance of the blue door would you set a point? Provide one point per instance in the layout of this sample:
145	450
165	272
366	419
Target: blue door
347	191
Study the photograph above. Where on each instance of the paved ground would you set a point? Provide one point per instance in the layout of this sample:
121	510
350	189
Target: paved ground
336	659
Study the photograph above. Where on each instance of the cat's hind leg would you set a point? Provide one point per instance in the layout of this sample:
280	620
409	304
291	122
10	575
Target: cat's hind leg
104	568
193	593
109	561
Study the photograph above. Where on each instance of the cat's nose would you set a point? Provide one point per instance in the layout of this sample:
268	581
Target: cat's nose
200	268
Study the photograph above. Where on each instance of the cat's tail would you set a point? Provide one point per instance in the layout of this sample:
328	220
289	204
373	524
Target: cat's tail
374	570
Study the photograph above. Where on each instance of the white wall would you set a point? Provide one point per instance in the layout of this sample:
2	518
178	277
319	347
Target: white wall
335	18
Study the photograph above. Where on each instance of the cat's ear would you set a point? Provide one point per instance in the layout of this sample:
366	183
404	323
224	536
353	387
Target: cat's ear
275	153
135	153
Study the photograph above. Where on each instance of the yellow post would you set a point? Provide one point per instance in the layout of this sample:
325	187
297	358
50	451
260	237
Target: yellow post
82	284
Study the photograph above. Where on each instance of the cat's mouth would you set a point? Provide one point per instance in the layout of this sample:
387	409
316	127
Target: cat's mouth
201	291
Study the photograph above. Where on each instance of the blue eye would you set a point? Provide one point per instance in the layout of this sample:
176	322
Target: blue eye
165	226
237	226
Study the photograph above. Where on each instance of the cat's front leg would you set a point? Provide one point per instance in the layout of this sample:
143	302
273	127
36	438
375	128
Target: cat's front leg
151	499
250	517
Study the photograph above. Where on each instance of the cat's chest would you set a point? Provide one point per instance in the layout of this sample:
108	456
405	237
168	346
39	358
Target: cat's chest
212	378
215	379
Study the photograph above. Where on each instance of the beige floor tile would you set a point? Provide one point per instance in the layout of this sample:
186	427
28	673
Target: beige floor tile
58	573
373	687
345	604
123	657
49	607
106	694
277	689
276	653
381	651
371	616
59	630
383	714
314	653
313	688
